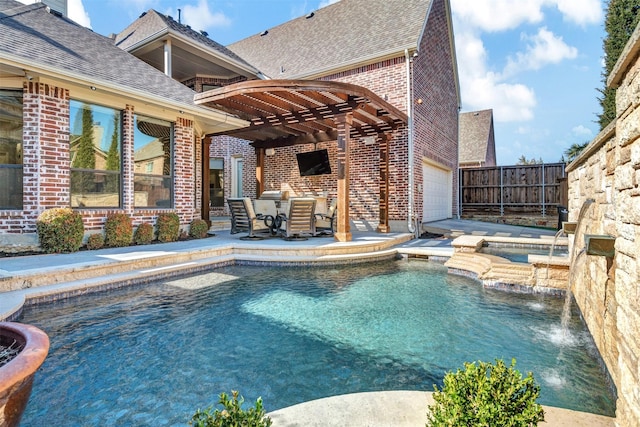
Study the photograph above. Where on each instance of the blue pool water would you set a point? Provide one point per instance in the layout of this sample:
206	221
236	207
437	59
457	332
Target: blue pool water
153	354
521	254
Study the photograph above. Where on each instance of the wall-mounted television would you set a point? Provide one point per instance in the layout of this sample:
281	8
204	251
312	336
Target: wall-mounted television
314	163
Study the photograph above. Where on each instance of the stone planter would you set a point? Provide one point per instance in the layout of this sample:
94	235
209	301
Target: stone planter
16	377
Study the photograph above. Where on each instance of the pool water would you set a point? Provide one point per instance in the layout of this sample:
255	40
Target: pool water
521	254
153	354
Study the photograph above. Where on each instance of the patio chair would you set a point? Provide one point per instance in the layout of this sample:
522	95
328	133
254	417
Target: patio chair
325	222
301	218
244	218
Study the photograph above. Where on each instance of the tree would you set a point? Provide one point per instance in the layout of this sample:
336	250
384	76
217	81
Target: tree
524	161
620	22
113	155
85	157
574	151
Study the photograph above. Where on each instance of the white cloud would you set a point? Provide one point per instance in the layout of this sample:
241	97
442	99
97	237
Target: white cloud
482	88
200	17
77	13
542	49
581	12
582	131
486	86
497	15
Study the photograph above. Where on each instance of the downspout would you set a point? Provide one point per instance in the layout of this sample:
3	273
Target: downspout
410	224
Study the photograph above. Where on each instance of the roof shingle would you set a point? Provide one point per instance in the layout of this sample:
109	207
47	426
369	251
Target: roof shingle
346	32
55	42
475	136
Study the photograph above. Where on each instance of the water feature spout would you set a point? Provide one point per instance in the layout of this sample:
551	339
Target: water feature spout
573	261
559	234
600	245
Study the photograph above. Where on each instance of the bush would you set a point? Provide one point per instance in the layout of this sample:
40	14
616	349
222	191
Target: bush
486	395
60	230
118	230
198	229
143	234
168	225
95	241
232	415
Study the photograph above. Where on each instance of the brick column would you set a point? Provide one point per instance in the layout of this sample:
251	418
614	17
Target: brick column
128	162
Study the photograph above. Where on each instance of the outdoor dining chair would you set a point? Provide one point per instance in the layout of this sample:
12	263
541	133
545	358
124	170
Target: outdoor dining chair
325	221
300	220
244	218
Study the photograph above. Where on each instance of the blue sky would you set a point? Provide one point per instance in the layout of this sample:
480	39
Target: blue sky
536	63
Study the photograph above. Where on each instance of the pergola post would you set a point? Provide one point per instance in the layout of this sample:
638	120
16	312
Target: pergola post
383	223
343	125
259	171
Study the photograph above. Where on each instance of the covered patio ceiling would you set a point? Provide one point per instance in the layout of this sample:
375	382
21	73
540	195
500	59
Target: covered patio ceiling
289	112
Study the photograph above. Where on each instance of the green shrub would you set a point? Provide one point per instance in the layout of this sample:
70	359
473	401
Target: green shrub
168	225
60	230
232	415
198	229
118	230
95	241
143	234
486	395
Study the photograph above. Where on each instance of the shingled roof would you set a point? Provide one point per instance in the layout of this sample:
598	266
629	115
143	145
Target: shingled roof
338	36
34	39
152	24
476	139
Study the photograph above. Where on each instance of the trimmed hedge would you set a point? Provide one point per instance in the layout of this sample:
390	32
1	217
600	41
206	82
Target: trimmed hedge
60	230
118	230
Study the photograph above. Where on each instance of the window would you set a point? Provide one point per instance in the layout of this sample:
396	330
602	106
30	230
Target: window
153	158
95	149
10	149
216	182
236	177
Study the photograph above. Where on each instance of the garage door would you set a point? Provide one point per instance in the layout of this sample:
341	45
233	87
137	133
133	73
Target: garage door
437	194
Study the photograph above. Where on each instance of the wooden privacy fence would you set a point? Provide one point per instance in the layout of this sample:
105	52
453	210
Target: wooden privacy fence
520	189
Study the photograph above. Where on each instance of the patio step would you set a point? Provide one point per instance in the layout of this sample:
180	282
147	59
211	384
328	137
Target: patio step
492	269
511	273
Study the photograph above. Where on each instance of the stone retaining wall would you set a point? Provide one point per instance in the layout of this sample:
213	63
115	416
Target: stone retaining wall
604	199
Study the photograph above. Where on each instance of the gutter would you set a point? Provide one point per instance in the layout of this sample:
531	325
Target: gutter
410	137
127	92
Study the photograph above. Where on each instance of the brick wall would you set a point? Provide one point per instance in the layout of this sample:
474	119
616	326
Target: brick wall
45	156
228	147
436	118
46	167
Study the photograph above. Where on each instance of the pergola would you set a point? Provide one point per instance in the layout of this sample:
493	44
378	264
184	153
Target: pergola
289	112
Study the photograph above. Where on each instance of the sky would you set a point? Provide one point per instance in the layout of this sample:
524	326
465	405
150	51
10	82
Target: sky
536	63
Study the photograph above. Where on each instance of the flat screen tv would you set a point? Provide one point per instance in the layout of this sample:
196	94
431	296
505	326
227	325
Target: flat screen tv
314	163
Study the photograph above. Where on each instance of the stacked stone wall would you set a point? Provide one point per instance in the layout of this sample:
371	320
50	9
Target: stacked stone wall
604	199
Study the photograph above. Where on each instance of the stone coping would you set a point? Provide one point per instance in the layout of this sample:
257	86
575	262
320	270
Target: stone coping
398	409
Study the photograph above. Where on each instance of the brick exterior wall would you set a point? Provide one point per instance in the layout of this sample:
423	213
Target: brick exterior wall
227	147
436	118
435	134
46	167
45	156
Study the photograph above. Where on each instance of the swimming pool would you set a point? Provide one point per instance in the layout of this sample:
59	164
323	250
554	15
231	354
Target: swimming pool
153	354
